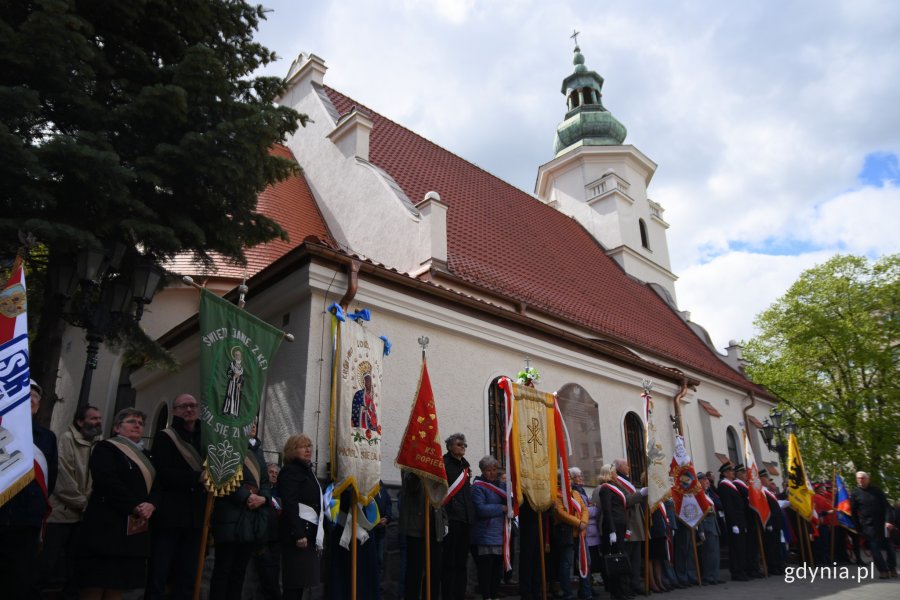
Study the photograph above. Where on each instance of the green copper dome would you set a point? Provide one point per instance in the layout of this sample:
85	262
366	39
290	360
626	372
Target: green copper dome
587	123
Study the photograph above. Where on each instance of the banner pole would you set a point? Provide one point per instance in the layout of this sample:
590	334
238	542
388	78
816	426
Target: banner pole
427	543
541	544
696	557
647	545
757	524
354	500
812	559
801	547
831	527
204	536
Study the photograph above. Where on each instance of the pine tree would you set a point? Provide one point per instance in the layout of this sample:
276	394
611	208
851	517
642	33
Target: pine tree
136	123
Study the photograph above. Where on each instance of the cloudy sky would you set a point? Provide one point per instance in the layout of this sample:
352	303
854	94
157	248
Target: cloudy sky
775	125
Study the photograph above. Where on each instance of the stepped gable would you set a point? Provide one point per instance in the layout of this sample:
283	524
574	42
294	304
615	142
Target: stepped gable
503	239
289	202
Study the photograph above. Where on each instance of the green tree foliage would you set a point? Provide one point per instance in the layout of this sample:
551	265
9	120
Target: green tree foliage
828	349
136	122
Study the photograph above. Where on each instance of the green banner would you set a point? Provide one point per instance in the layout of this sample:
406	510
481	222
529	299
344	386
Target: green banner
236	350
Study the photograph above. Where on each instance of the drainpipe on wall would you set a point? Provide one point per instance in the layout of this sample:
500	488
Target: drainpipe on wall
352	284
677	400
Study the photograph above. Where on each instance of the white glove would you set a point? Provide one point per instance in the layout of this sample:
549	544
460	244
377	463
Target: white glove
768	528
722	514
735	530
782	538
643	491
612	538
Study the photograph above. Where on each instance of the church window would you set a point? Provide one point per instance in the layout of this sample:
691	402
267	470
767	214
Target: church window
732	441
645	238
588	95
575	99
497	422
635	448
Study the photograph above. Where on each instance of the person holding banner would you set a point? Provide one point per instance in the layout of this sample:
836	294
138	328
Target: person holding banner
412	527
301	526
735	523
488	535
773	532
23	516
239	526
114	539
460	515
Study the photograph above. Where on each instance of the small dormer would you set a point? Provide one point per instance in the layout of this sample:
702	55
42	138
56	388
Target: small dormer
351	134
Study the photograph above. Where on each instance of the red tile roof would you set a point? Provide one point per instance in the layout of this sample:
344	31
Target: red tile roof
505	240
289	202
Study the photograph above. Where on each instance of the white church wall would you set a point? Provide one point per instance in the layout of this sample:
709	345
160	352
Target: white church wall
350	192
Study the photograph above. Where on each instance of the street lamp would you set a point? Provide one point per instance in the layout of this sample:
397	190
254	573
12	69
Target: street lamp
775	433
104	299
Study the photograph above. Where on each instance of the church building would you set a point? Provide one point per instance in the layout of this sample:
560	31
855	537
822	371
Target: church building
574	280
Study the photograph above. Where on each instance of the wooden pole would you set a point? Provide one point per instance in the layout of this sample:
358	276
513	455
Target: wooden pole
801	547
427	545
354	500
543	566
757	524
696	557
833	492
812	559
204	536
647	549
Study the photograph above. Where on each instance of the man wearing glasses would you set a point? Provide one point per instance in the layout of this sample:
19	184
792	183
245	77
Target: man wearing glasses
178	521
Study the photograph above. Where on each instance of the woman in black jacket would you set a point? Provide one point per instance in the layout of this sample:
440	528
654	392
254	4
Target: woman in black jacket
612	534
114	538
301	499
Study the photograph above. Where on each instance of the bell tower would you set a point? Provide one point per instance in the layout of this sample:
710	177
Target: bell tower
602	182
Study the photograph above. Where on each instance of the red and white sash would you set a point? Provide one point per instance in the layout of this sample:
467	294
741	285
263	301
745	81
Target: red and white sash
40	476
583	570
507	522
730	484
742	484
626	484
456	486
618	492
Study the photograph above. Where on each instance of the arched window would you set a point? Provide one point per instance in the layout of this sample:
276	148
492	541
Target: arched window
732	439
635	448
497	422
645	239
582	416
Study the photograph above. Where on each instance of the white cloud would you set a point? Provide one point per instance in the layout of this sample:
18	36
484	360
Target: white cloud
759	114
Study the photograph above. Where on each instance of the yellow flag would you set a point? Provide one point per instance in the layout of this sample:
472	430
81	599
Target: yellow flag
533	442
799	491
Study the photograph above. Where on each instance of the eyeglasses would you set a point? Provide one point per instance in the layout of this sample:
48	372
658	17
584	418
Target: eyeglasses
192	406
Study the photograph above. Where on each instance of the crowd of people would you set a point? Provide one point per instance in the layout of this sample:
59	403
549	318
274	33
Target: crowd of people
110	516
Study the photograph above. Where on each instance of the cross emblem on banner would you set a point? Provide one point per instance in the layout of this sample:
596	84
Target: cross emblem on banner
534	429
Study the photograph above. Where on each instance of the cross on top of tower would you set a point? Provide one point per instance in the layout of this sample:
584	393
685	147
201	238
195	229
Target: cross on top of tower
575	35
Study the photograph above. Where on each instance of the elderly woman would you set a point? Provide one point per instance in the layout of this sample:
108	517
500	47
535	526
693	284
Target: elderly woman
301	499
489	498
612	535
591	535
115	539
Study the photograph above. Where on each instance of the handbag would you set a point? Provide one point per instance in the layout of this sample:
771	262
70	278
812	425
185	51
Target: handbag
251	526
616	564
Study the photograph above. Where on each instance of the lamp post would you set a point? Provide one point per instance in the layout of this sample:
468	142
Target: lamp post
775	433
101	296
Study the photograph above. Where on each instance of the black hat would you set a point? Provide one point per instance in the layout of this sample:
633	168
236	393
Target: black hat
726	467
740	467
764	473
702	475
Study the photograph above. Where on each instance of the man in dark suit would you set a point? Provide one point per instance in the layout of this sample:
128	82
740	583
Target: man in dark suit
178	521
735	522
872	513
